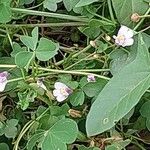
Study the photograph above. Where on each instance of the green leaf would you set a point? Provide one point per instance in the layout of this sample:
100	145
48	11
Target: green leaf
91	32
16	49
70	4
4	146
145	110
51	4
46	49
92	89
5	13
121	93
12	122
10	129
34	139
24	59
31	41
61	133
85	2
77	98
123	14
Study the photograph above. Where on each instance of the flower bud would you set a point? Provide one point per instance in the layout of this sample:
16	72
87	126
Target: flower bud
93	44
107	37
135	17
75	113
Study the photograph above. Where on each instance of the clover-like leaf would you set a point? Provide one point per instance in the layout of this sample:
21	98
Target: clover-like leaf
31	41
23	59
51	4
11	129
5	12
77	98
61	133
46	49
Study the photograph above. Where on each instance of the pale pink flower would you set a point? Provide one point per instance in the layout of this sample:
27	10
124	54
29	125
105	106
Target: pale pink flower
124	37
3	80
91	78
61	91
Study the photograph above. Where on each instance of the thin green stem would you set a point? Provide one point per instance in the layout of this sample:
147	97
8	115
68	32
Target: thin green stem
44	25
145	16
110	11
141	21
93	70
56	72
52	15
72	72
82	51
79	61
26	128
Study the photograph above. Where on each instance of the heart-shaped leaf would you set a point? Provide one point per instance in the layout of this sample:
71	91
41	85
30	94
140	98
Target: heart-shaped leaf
31	42
51	4
5	13
70	4
121	93
77	98
46	49
23	59
61	133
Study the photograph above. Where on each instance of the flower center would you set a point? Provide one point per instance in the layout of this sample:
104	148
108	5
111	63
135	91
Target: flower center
121	38
64	92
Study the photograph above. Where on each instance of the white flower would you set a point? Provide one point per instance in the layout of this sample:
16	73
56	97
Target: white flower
61	91
3	80
91	78
124	37
41	84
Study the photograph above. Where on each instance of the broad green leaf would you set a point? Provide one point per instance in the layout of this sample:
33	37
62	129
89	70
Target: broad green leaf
85	2
23	59
61	133
125	8
121	93
70	4
5	13
31	41
77	98
46	49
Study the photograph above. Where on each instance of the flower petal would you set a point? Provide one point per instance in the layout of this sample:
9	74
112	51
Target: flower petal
123	30
59	85
56	93
2	86
128	42
61	98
